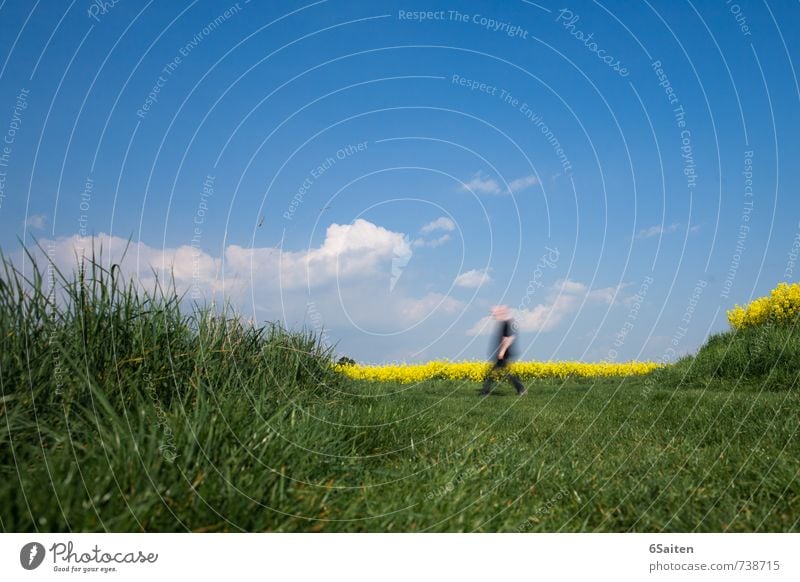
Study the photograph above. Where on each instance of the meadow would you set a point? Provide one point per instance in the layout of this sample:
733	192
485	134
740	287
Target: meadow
125	411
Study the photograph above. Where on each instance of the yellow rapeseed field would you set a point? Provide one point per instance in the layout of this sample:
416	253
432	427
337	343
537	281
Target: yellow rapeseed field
780	306
476	371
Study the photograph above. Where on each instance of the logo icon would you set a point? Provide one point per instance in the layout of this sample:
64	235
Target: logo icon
401	255
31	555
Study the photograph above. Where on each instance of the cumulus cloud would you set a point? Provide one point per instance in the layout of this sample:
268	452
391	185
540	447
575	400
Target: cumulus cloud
36	221
440	224
473	278
349	250
443	223
569	287
660	230
348	275
522	183
433	243
484	184
415	309
564	298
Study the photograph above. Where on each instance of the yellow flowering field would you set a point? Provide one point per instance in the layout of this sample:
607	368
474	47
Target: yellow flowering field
476	371
780	306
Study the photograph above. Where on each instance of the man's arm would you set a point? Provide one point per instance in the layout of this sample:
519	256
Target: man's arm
505	343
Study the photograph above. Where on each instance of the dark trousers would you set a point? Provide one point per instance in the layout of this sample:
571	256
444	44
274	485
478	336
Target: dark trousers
500	368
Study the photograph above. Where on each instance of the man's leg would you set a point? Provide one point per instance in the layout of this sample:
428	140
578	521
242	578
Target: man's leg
489	380
508	375
519	386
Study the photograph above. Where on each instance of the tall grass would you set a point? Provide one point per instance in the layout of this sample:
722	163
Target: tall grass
106	385
127	410
767	355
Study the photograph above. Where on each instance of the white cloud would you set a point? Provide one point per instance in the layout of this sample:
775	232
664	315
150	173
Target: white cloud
37	221
473	278
660	230
568	286
606	295
349	250
433	243
412	309
484	184
564	298
347	276
442	223
522	183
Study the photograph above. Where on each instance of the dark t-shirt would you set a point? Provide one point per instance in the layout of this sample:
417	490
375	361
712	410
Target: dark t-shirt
504	329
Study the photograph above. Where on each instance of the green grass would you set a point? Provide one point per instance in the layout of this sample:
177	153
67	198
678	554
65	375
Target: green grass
767	354
123	411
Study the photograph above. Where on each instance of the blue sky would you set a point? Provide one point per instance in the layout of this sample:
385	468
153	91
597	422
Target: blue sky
620	174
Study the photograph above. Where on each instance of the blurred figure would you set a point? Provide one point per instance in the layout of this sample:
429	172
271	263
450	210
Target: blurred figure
502	353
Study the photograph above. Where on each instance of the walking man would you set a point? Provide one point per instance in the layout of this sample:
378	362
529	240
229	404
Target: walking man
503	352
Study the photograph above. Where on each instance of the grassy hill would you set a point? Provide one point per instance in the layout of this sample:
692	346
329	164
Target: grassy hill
122	412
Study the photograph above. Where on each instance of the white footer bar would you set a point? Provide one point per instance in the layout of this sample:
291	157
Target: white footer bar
401	557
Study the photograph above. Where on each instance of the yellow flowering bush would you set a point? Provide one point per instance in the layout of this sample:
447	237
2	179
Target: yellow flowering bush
476	371
780	306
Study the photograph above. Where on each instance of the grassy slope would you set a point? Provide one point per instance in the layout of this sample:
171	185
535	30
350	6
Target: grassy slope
767	354
570	457
124	414
576	457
